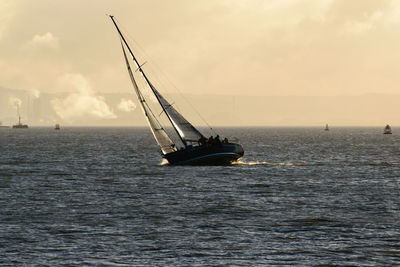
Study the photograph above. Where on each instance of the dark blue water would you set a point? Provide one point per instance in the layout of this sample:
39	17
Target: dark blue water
100	197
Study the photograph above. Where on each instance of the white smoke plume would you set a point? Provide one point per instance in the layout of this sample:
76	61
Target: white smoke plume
15	102
126	105
34	93
83	104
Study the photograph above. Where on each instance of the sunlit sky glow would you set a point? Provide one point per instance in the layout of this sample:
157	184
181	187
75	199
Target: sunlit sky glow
224	47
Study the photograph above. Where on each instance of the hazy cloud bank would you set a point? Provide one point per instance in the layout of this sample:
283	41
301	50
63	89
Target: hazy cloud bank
126	105
15	102
82	104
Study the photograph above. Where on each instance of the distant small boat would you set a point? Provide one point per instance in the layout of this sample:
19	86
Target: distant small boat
20	125
326	127
57	127
387	129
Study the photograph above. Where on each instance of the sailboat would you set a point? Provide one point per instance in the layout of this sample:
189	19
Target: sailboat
57	127
196	149
326	127
387	129
19	125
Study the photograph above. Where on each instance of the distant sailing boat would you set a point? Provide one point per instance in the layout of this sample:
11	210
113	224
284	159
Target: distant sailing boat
326	127
387	129
57	127
196	150
19	125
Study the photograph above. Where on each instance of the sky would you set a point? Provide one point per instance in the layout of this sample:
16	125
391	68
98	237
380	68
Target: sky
210	47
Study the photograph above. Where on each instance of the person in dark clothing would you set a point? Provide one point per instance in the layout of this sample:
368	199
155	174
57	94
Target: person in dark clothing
202	141
210	140
217	141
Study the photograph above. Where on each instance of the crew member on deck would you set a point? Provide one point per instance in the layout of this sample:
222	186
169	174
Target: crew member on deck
217	141
210	140
202	141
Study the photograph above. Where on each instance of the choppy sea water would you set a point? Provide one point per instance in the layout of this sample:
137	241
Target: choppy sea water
100	197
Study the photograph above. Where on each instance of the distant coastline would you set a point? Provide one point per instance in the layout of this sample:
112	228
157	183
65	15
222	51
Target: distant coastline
367	110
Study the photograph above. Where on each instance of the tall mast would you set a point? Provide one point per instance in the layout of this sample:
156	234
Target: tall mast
162	138
146	79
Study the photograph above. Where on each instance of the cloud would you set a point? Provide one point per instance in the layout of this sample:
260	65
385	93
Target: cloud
82	104
288	46
15	102
367	22
393	15
46	40
126	105
34	93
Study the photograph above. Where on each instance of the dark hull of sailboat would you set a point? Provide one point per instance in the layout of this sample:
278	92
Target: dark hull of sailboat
216	154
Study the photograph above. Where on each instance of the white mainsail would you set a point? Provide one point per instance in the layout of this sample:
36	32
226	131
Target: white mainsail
185	130
163	140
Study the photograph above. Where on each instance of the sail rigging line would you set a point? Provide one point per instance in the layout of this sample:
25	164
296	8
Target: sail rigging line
158	80
140	66
155	77
147	80
162	138
165	76
185	130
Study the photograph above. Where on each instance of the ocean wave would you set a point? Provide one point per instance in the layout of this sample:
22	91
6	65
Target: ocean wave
252	163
